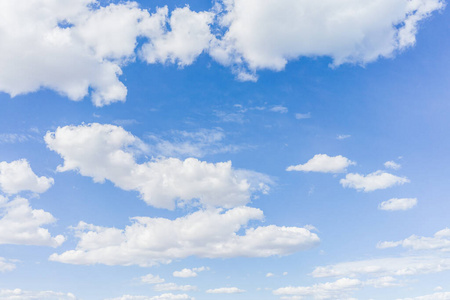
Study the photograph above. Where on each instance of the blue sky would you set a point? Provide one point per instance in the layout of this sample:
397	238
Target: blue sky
228	150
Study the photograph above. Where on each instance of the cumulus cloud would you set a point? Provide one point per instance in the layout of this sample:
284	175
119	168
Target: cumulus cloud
225	290
373	181
334	290
205	233
18	176
22	225
392	165
392	266
167	296
186	273
435	296
80	46
32	295
190	35
328	290
398	204
108	152
324	164
269	34
440	241
343	136
279	109
152	279
6	265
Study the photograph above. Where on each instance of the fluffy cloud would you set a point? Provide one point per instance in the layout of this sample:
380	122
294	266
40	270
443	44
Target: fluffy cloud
186	273
225	290
5	265
31	295
435	296
269	34
109	152
18	176
21	225
393	266
151	279
392	165
190	35
333	290
79	46
167	296
398	204
329	290
440	241
324	163
373	181
210	233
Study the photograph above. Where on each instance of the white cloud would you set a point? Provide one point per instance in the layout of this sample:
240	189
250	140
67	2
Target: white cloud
167	296
435	296
440	241
190	35
392	165
270	274
269	34
12	138
373	181
225	290
161	287
18	176
343	136
21	225
79	46
392	266
279	109
5	265
109	152
151	279
324	163
328	290
186	273
300	116
209	233
32	295
398	204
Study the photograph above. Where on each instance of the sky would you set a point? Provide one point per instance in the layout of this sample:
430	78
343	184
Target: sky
235	149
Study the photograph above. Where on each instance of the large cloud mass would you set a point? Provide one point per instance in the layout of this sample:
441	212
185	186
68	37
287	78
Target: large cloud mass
75	46
22	225
109	152
210	233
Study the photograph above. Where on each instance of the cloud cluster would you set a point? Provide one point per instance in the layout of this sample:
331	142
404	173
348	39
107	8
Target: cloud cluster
22	225
209	233
186	273
398	204
18	176
440	241
324	164
81	46
31	295
329	290
167	296
225	290
373	181
392	266
435	296
109	152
